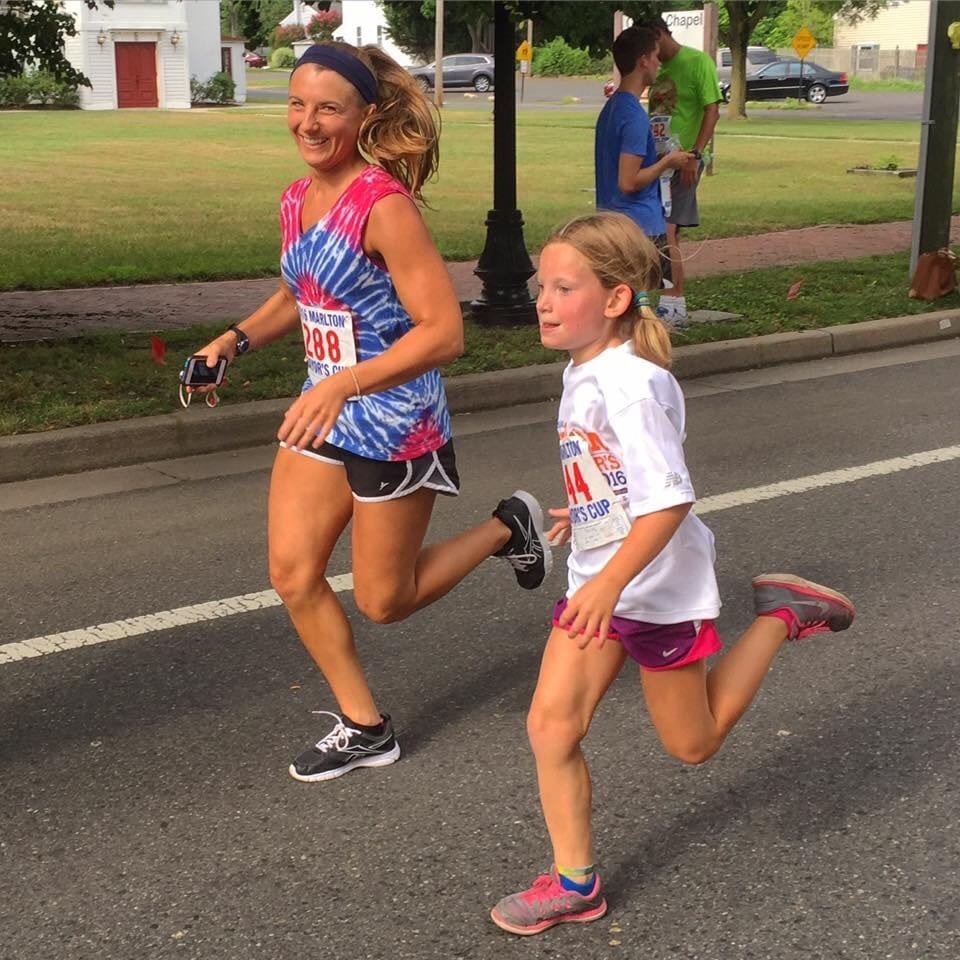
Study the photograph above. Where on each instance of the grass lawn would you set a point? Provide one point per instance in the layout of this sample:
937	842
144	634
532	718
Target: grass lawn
129	196
112	376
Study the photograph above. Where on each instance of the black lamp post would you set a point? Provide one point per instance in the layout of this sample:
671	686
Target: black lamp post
504	266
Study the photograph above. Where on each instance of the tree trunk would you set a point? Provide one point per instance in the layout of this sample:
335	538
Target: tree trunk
743	16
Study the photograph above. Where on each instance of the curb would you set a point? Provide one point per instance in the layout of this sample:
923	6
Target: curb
124	442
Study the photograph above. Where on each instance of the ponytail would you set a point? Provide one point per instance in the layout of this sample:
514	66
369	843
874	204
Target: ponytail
650	337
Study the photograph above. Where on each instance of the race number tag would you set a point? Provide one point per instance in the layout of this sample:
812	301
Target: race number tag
327	340
660	125
596	486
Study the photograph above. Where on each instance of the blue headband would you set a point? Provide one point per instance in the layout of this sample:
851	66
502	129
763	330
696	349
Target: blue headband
347	65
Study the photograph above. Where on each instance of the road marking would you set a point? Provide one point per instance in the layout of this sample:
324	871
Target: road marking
230	606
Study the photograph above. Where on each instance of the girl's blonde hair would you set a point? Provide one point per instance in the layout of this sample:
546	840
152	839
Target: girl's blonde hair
618	252
401	135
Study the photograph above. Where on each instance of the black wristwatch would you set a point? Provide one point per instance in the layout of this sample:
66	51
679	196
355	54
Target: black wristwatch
697	153
243	341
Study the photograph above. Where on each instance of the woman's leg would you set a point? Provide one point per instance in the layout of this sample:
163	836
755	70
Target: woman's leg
571	684
309	506
693	710
393	574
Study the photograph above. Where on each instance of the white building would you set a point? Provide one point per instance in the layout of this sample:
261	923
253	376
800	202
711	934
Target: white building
143	54
904	24
364	22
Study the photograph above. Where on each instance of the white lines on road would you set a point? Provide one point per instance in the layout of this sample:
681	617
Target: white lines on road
230	606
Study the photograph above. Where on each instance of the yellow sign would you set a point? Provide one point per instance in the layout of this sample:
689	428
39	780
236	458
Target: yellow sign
525	51
803	42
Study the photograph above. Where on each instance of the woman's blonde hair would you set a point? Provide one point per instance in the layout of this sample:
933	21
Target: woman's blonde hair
618	252
401	135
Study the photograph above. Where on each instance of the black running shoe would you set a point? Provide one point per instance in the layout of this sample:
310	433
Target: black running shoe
527	550
344	749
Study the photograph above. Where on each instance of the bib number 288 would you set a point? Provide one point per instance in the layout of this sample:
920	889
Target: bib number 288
322	344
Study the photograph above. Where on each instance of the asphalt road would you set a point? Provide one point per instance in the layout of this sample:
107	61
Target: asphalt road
145	808
561	93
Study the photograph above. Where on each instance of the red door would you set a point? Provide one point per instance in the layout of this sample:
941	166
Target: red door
136	74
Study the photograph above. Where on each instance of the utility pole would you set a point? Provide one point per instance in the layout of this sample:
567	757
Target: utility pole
438	56
710	25
938	135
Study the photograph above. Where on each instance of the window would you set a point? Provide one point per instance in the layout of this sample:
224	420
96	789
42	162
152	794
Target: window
776	71
380	35
359	36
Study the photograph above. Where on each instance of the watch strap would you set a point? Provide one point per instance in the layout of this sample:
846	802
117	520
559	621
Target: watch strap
243	341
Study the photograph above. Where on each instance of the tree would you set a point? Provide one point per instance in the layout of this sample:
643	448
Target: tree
740	18
413	31
31	37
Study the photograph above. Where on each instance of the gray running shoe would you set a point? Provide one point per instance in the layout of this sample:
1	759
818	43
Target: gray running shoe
545	905
816	608
344	749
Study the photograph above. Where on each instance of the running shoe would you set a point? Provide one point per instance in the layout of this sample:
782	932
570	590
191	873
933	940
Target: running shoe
344	749
816	608
546	904
673	318
527	550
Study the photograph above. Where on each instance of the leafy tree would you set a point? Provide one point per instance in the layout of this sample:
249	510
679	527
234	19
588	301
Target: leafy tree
31	36
412	30
779	31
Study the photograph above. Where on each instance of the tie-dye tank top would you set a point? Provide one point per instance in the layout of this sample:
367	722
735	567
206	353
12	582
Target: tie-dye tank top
339	288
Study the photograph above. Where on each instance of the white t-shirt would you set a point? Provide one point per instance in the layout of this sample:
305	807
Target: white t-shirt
621	427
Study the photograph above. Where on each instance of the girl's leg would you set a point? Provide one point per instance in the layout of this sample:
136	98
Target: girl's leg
393	574
571	684
309	506
693	710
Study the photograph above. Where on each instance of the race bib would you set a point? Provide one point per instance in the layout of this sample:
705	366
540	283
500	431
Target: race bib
327	340
596	489
660	125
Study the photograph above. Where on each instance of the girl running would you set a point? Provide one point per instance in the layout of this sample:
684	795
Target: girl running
641	581
369	438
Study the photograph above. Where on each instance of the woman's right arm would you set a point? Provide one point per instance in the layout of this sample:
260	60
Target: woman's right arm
273	319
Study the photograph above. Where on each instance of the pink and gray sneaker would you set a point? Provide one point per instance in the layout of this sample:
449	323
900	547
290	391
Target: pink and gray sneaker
815	608
546	904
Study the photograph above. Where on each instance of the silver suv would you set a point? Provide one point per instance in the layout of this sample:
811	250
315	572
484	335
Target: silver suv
460	70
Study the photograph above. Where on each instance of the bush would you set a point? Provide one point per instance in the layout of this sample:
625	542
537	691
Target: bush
557	59
220	88
282	58
37	89
285	36
320	28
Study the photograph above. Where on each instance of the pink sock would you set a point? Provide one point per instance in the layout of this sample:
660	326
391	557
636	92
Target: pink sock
788	617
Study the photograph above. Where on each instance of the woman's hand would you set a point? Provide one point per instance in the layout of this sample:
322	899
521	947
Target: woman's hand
312	415
559	534
589	611
224	346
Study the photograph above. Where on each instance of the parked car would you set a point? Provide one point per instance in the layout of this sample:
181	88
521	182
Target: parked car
780	80
253	59
756	58
459	70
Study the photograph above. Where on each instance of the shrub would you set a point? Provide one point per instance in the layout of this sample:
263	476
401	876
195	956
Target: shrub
39	88
282	58
220	88
558	59
320	28
285	36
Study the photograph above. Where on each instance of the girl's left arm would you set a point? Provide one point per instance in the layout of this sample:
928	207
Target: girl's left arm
397	234
590	609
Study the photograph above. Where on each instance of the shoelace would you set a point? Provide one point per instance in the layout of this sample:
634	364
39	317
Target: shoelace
521	561
542	889
338	738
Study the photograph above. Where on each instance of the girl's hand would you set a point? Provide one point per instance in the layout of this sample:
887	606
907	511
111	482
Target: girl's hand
559	534
589	611
312	415
224	346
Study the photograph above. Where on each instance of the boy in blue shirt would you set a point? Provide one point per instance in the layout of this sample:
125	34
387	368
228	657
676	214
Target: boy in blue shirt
627	167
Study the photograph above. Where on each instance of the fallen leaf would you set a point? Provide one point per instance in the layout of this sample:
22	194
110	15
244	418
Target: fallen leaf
158	350
794	291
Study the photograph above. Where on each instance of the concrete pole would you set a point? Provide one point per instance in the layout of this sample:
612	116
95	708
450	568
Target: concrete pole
710	48
938	136
617	30
438	56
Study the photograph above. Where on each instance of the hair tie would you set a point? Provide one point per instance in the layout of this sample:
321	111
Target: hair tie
349	67
640	299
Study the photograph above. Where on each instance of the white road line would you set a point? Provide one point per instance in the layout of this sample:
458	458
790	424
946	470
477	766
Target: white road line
230	606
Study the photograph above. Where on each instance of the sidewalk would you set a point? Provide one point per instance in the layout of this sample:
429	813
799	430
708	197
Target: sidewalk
31	315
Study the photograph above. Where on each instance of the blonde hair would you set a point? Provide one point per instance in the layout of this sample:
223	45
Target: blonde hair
618	252
401	135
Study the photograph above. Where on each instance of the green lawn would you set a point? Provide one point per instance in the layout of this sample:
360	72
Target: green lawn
112	376
124	196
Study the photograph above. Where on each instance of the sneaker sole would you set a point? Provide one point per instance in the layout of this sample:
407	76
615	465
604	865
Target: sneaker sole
807	587
381	760
595	914
536	514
